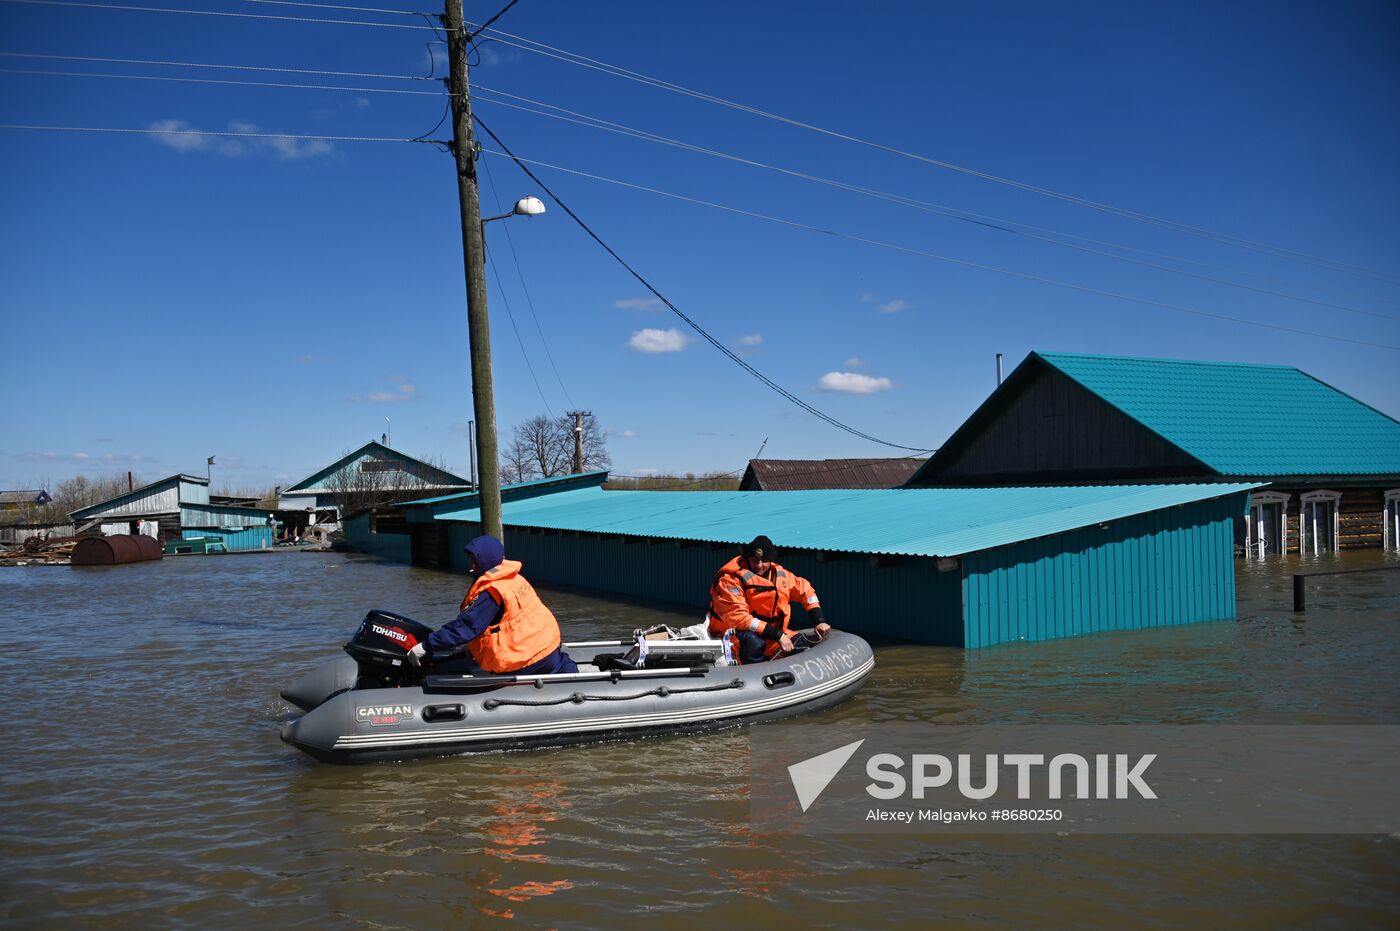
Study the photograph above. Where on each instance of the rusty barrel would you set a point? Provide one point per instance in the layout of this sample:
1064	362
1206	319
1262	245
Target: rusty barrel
115	550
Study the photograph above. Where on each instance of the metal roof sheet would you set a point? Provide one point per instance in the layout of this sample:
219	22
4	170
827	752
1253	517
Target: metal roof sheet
896	521
807	474
595	478
1260	420
373	450
92	510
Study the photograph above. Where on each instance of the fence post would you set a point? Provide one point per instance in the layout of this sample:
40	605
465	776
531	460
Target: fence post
1299	594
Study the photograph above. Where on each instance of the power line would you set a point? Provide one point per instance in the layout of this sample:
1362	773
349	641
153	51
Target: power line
196	64
933	255
487	25
264	16
495	194
749	213
511	315
678	312
540	48
203	132
1017	227
1007	226
332	6
219	81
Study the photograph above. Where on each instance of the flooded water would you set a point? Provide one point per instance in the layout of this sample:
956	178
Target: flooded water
145	784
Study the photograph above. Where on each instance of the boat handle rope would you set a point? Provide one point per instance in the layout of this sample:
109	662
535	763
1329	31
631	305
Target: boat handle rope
578	698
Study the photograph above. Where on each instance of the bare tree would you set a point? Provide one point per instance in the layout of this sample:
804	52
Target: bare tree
543	447
516	464
373	483
80	491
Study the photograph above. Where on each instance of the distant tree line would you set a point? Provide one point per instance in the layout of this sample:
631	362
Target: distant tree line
710	481
83	491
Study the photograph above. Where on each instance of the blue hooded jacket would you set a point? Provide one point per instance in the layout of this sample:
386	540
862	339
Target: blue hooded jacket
487	553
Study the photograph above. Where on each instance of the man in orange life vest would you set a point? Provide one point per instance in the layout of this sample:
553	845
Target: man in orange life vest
752	595
502	622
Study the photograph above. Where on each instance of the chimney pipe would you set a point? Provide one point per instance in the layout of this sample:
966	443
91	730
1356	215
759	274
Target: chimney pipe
129	485
998	370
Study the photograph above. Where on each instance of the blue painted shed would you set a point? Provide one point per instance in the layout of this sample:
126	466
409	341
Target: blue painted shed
966	567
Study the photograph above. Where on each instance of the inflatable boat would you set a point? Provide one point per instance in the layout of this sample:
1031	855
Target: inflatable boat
372	705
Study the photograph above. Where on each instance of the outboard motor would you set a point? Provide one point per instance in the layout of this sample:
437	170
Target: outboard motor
380	649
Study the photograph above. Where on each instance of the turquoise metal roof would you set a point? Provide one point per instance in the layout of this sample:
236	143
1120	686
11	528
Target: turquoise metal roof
467	497
1238	419
896	521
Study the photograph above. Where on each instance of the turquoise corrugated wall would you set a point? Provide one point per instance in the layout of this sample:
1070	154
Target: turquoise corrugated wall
391	546
237	541
910	600
1168	567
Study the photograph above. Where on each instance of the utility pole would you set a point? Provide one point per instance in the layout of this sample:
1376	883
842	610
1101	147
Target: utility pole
474	258
578	438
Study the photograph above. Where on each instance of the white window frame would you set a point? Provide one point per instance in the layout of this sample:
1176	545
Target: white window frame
1254	541
1391	535
1307	543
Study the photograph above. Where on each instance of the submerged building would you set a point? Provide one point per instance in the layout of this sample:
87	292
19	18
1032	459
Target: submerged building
174	508
1087	494
1332	462
959	567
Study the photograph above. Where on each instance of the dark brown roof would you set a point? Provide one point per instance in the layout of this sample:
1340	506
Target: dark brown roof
807	474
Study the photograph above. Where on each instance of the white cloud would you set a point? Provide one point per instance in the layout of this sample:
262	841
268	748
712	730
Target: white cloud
110	459
406	391
491	55
854	362
179	135
625	434
853	383
164	132
753	339
893	306
637	303
650	340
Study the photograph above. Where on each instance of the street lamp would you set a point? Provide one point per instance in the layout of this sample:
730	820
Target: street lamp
524	207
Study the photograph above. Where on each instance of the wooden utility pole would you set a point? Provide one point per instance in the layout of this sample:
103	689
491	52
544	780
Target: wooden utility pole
578	438
474	258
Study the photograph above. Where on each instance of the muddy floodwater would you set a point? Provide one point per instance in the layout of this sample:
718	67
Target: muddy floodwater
144	784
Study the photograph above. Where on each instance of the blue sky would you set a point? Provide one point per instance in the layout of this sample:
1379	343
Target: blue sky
272	301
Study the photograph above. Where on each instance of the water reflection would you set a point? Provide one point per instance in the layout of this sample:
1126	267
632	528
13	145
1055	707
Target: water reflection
147	785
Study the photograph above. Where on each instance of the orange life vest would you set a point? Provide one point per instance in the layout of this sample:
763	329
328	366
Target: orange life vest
744	600
526	633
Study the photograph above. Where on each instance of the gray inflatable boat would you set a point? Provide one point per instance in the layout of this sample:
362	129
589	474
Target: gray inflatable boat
371	705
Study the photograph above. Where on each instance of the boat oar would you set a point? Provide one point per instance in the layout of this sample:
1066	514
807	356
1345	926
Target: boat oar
454	684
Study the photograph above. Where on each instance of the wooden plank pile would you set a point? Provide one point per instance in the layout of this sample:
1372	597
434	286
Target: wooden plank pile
38	552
